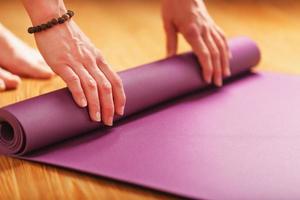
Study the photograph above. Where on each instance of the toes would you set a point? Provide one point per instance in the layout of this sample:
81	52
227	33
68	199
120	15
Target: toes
46	70
29	64
36	69
41	67
2	85
9	80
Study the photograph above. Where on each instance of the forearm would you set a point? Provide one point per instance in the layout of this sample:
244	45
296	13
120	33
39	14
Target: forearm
41	11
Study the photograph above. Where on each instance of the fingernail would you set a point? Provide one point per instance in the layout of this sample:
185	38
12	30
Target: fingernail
228	72
219	82
208	80
98	117
110	121
122	110
83	102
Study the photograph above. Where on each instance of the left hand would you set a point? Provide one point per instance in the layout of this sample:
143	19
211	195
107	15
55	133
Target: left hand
191	18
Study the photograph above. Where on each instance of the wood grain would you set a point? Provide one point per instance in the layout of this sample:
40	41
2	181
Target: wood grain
130	33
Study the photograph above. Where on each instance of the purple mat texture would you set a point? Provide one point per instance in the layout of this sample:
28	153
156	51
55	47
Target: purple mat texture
178	135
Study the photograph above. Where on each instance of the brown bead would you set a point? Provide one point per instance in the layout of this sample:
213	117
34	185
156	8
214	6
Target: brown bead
49	24
61	20
34	29
66	17
54	21
30	30
70	13
44	27
38	28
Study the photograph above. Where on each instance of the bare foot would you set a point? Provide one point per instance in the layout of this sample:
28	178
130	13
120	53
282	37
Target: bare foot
18	59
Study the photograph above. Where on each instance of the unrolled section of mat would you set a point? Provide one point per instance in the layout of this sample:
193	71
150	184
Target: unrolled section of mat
162	148
241	142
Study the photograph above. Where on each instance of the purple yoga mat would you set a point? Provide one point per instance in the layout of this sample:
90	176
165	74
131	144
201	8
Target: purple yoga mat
178	134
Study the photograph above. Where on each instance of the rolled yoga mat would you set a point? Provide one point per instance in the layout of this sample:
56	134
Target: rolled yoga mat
53	117
178	134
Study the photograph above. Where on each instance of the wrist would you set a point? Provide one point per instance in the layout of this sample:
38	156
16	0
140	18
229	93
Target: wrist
43	11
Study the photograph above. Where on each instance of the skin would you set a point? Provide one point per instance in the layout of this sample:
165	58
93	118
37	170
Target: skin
78	62
18	59
192	20
81	65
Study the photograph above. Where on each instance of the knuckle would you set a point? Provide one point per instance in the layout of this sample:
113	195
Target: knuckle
215	54
117	82
101	60
91	83
192	31
73	79
88	60
77	93
105	87
205	54
205	26
98	53
103	64
64	58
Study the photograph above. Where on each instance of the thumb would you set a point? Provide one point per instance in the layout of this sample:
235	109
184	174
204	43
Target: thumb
171	39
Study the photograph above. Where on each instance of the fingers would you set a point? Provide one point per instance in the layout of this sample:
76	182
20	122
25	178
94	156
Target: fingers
74	84
171	38
225	41
96	85
215	57
8	80
193	37
105	94
90	89
212	50
117	86
224	53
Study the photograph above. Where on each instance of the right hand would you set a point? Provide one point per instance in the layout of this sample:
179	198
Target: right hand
92	82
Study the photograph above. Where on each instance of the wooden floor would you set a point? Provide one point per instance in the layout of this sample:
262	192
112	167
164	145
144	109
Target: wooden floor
130	33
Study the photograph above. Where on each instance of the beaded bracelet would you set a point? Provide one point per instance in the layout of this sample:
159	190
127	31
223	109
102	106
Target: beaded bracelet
51	23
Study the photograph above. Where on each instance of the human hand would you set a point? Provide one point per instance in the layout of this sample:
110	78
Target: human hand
92	82
191	18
